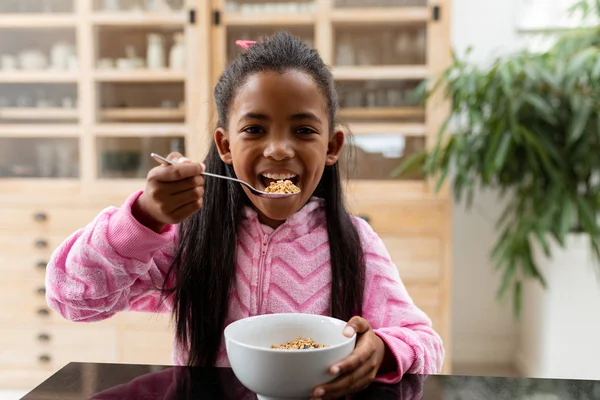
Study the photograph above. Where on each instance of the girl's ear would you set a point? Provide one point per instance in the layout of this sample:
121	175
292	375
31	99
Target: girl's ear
334	147
223	146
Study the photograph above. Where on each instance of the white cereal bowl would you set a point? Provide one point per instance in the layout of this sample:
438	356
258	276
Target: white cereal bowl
275	374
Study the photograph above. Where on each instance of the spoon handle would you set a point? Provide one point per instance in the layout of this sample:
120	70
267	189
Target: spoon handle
224	177
161	158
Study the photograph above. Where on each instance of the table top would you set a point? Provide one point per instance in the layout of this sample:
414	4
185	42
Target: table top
93	381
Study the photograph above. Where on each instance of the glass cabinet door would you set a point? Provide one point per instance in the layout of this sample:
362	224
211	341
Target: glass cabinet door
376	156
36	6
380	57
39	157
141	81
39	76
379	3
129	157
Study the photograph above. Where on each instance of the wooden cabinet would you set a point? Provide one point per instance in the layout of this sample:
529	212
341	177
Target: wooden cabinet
88	92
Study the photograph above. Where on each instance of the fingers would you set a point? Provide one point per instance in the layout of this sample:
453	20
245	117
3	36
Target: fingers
184	198
352	382
174	156
175	172
363	351
356	325
186	210
183	185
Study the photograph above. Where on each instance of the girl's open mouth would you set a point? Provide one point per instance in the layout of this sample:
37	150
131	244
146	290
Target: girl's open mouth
267	178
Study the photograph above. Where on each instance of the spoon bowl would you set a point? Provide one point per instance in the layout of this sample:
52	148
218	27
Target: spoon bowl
252	189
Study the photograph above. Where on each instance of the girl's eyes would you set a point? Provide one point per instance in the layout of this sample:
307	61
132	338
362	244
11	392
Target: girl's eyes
253	130
305	131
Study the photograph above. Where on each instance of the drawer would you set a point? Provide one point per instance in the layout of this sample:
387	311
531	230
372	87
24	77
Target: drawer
13	378
24	347
152	322
19	250
408	217
43	219
418	258
140	347
22	259
26	304
26	308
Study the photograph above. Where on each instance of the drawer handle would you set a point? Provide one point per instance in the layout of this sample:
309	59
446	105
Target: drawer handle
44	337
43	312
41	265
41	243
366	218
44	358
41	290
40	216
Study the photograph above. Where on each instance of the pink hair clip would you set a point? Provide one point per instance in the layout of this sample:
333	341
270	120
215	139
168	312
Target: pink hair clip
244	44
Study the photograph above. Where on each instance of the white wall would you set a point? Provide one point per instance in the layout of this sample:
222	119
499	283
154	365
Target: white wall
483	329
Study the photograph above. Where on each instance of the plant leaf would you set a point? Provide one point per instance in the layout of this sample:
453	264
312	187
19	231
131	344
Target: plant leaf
566	219
541	106
502	153
580	121
587	215
410	163
517	298
441	179
507	278
543	242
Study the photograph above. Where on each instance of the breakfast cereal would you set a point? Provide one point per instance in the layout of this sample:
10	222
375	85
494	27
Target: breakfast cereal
299	344
282	187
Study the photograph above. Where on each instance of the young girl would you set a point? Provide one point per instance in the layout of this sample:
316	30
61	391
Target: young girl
218	253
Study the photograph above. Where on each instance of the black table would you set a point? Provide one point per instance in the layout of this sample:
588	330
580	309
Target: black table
145	382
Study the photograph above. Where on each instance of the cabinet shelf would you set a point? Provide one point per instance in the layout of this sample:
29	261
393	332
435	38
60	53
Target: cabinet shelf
139	75
138	19
279	19
140	129
37	21
141	114
371	16
41	131
389	128
38	113
38	77
381	113
364	73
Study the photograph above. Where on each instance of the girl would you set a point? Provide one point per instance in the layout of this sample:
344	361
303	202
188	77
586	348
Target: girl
218	253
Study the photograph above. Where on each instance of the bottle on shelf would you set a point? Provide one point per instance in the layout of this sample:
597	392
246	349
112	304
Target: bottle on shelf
177	53
155	57
111	5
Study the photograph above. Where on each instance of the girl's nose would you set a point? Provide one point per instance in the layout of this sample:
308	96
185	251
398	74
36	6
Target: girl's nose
279	150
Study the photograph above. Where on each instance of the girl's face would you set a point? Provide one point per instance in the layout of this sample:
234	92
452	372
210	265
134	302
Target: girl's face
279	129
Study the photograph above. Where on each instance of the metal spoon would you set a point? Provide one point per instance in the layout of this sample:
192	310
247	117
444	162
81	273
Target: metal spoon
254	191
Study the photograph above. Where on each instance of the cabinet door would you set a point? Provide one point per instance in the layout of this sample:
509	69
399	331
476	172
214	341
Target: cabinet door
39	101
147	75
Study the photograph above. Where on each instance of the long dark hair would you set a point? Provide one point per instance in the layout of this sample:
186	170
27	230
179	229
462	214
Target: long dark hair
204	264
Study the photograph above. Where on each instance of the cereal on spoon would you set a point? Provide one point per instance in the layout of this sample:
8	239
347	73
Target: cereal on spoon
282	187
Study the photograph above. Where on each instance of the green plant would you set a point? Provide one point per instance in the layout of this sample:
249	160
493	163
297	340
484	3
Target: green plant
528	124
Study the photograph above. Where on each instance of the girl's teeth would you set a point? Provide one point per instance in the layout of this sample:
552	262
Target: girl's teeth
279	176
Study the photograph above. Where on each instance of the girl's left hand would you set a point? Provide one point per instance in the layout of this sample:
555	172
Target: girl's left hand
360	368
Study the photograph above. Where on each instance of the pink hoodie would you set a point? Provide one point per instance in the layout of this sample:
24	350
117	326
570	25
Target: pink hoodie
114	263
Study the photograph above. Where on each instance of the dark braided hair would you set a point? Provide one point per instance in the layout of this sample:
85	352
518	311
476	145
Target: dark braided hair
203	269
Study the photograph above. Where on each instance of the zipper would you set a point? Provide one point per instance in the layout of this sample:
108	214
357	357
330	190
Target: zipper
261	261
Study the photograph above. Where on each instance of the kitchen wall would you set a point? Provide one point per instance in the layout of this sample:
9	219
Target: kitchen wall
484	331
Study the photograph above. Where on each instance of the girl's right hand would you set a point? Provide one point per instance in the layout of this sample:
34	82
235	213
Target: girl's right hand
172	194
